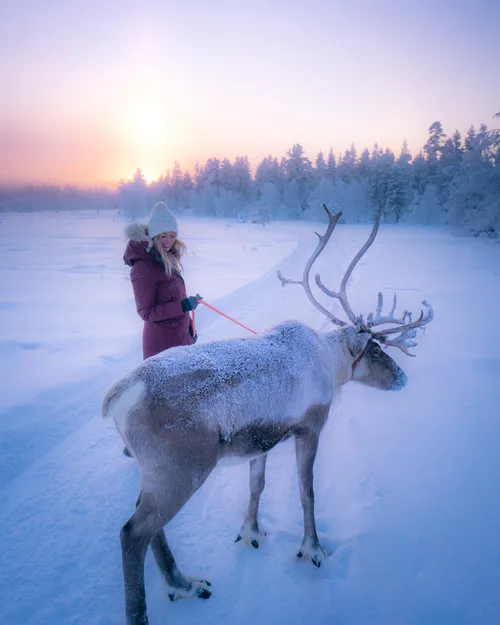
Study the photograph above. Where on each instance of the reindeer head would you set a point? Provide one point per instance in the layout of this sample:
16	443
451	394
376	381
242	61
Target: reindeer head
369	363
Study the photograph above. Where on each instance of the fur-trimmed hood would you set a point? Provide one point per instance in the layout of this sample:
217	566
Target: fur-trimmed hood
137	232
139	245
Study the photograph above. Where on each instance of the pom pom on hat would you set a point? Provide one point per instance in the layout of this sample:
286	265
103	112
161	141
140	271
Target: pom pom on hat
162	220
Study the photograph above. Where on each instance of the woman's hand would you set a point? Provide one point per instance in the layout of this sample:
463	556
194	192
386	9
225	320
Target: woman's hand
190	303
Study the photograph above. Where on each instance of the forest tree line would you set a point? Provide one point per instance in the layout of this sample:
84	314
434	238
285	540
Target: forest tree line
453	181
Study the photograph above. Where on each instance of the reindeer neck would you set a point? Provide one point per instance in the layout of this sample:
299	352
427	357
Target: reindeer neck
340	356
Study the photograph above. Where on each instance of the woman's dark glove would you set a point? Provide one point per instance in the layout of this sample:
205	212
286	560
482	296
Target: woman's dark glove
190	303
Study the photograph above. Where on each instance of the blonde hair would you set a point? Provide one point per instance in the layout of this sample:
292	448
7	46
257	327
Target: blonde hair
172	258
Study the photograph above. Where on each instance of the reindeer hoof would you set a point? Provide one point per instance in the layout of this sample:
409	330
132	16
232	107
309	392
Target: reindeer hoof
314	553
316	561
198	588
203	593
250	535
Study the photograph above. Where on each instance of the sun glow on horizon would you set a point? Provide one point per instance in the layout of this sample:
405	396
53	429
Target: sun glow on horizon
150	175
147	131
147	125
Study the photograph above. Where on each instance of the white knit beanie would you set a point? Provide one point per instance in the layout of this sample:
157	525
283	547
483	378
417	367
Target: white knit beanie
162	220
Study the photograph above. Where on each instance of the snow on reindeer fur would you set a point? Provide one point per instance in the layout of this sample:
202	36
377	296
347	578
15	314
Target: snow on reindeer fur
237	382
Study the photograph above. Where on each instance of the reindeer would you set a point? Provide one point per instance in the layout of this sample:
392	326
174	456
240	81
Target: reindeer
188	409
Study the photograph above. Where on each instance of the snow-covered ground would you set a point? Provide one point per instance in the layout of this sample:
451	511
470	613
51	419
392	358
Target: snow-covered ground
406	483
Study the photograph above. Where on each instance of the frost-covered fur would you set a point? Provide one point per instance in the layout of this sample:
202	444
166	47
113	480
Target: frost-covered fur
184	410
232	384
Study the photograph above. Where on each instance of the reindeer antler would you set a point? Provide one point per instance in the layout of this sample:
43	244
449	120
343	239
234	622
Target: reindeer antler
404	341
341	294
379	319
407	332
406	328
323	240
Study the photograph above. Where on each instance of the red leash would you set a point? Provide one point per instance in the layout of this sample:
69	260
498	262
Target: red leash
202	301
193	323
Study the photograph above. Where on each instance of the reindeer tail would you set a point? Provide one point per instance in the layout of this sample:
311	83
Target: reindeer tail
112	395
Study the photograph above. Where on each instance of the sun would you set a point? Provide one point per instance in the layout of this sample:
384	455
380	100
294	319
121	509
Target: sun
151	174
147	125
147	130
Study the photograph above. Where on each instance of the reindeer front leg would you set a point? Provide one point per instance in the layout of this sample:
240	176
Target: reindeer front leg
250	531
306	446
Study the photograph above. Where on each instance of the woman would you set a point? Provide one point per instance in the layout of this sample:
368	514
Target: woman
154	255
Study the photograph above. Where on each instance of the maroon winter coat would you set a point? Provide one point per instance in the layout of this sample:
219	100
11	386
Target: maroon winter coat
157	296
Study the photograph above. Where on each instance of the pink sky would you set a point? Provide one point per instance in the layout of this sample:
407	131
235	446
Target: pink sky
93	91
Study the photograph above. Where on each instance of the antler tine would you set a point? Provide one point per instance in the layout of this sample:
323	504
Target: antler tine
421	321
379	319
403	343
323	240
341	294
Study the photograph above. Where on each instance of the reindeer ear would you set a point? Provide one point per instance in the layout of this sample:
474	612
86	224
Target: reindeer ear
357	341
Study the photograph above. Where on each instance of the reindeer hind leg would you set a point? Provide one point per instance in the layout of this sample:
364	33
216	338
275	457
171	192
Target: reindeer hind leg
179	586
135	537
165	489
